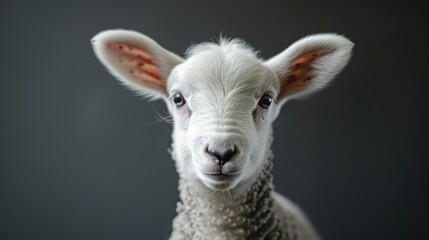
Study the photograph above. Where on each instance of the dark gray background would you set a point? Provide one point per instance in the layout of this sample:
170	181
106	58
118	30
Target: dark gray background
83	158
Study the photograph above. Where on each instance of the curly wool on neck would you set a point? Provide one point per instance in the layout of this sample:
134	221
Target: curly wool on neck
246	216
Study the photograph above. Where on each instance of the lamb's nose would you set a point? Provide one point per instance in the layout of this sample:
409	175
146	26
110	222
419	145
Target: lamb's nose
222	157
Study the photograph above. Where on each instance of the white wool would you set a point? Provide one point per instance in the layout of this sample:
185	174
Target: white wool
226	100
252	215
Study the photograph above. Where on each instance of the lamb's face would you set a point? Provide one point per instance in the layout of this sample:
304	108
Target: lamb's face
223	98
223	104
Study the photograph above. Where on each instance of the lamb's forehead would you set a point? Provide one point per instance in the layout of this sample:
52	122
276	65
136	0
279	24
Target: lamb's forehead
226	45
229	65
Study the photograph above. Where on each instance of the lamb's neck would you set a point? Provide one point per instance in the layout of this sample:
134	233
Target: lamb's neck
233	216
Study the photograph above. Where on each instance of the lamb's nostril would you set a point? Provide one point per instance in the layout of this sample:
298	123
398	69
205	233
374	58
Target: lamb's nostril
228	155
222	157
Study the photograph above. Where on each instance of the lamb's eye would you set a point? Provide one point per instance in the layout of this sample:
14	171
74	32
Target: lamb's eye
178	100
265	101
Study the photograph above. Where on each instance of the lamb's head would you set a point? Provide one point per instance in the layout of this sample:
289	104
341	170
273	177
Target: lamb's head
223	98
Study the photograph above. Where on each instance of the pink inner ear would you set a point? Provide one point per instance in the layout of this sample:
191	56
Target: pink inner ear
300	72
140	63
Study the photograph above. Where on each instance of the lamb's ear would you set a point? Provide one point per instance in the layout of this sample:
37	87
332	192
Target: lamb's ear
136	60
309	64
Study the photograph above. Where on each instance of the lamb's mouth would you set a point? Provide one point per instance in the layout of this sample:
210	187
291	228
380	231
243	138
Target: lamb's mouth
220	176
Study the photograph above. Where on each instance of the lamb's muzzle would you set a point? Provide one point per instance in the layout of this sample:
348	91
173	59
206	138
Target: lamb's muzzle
223	100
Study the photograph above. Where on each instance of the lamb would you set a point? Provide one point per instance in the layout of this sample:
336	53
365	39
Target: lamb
223	100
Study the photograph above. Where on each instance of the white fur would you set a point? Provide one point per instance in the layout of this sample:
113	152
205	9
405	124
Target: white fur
222	85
